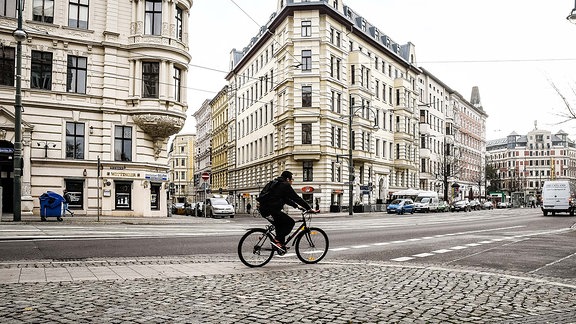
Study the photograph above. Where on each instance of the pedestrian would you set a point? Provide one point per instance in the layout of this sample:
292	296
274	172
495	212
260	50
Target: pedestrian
248	208
274	196
67	200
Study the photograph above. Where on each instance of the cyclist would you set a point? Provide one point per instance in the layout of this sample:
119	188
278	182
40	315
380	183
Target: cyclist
280	193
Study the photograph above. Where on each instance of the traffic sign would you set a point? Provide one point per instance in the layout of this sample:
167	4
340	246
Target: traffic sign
205	176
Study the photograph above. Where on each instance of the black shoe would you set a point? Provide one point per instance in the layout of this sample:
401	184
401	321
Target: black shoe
280	248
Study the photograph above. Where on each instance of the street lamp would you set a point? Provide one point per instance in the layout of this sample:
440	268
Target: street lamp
572	16
19	35
350	158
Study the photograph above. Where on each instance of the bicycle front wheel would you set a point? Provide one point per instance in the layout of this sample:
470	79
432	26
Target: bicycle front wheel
254	248
312	245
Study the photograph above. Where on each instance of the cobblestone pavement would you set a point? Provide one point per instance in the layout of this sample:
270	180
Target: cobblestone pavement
221	290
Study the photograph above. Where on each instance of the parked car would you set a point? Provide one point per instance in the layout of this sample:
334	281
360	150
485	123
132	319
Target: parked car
178	209
503	204
460	205
475	204
400	206
219	207
487	205
443	206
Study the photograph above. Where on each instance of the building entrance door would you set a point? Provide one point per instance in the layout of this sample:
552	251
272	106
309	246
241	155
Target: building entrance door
7	175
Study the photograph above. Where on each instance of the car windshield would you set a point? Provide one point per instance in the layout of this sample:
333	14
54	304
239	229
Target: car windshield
396	201
219	201
422	199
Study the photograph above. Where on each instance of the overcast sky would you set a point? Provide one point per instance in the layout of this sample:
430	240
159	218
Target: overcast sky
511	49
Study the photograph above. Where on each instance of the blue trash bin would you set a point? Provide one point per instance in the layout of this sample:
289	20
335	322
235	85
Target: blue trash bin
51	205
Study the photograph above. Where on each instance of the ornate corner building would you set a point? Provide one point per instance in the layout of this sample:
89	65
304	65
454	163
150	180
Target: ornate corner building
103	87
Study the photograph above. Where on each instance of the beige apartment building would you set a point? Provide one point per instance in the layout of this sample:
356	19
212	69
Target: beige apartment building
314	67
103	87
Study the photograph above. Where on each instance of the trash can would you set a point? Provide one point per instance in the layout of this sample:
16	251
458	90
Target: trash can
51	205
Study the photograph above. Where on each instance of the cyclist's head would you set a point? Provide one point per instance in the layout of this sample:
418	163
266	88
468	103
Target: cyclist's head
287	175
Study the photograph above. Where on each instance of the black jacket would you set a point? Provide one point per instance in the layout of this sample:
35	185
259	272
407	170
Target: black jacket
282	194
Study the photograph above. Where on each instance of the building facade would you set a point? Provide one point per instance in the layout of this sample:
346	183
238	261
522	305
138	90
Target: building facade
203	153
181	162
103	87
220	139
523	162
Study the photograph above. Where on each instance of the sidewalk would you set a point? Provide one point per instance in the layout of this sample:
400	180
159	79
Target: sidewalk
174	219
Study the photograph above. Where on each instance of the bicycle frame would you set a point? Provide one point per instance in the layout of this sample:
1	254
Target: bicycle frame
302	226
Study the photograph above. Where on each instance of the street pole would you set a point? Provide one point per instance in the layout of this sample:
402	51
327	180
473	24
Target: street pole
350	164
19	36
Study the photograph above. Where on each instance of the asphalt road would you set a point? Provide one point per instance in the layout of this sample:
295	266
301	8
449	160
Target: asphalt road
511	239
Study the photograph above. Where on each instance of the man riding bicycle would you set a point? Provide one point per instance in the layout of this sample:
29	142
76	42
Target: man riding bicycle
274	196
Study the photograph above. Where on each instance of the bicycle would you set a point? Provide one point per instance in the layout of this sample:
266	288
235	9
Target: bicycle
310	243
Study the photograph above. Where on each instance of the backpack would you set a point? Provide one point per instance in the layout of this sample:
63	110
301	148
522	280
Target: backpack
266	192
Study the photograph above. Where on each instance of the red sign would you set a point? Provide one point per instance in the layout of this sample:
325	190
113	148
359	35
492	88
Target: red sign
307	189
205	176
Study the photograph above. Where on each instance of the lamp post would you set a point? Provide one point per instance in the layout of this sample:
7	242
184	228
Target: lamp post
572	16
20	36
350	158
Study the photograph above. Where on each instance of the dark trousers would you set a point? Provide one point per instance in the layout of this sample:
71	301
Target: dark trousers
282	222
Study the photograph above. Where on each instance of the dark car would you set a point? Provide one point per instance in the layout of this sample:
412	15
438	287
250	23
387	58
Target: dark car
460	205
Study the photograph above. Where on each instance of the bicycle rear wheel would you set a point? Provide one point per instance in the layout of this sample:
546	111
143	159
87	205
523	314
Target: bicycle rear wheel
254	248
312	245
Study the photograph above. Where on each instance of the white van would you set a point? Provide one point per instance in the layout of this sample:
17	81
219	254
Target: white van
558	197
426	202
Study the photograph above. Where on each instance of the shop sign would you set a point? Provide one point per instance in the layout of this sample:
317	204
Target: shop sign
307	189
156	176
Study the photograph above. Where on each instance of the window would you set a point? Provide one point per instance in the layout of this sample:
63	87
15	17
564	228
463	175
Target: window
76	190
306	133
306	60
78	14
179	25
76	78
43	11
123	143
306	96
306	28
153	20
8	8
75	140
150	79
7	65
177	84
123	194
335	67
41	70
307	171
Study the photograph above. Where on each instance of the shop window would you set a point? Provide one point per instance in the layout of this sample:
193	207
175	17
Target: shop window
76	190
155	196
123	194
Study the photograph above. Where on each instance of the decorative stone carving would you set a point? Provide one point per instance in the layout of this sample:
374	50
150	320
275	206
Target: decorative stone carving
159	127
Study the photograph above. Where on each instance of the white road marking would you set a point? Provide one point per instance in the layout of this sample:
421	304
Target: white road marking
402	259
442	251
459	247
423	255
